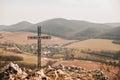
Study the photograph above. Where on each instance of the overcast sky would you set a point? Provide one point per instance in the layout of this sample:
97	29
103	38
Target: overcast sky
34	11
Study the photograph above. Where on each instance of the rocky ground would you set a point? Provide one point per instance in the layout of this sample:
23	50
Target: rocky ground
14	72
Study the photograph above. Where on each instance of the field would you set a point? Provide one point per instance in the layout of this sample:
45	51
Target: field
96	45
21	38
27	58
89	65
91	44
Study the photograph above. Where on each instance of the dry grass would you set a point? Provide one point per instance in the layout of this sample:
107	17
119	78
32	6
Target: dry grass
96	45
58	56
27	58
85	64
81	54
21	38
90	66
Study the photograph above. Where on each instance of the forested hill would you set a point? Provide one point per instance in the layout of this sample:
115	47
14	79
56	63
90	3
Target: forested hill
112	34
68	29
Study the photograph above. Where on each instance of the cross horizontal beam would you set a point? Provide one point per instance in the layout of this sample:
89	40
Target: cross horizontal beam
39	37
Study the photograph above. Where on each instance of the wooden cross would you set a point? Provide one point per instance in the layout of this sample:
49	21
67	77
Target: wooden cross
39	37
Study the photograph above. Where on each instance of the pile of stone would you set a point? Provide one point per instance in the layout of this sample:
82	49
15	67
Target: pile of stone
14	72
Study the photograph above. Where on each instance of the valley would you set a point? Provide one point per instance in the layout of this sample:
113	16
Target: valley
73	43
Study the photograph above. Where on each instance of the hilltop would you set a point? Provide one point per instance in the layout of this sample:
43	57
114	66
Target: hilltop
60	72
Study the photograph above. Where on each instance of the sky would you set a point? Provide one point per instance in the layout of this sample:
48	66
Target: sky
34	11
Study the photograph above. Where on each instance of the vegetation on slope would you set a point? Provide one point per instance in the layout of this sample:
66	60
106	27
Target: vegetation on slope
68	29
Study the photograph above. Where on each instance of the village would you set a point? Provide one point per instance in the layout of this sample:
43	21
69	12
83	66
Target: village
47	50
13	72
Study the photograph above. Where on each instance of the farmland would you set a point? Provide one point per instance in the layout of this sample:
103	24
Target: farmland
96	45
90	54
27	58
21	38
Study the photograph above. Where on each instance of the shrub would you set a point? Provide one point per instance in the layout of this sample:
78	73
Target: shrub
117	55
10	58
116	41
27	65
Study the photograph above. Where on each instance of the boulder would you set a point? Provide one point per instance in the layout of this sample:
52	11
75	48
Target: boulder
14	72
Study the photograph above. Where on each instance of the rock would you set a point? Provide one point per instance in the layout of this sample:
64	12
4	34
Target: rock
14	72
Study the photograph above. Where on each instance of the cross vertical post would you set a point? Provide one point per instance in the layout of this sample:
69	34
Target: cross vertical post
39	47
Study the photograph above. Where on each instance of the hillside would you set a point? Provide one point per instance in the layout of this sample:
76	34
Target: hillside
68	29
113	24
112	34
21	38
72	28
2	27
21	26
